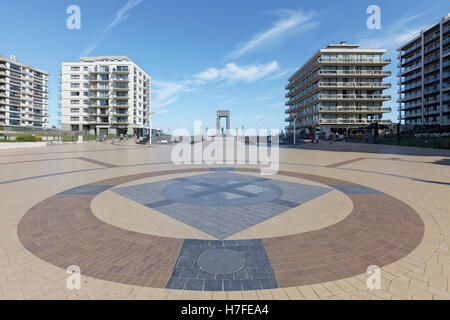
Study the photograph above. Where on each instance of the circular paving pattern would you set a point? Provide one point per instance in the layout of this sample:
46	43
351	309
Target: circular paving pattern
221	261
63	231
222	192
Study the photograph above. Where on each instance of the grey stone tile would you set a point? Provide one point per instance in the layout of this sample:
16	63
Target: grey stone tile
213	285
176	283
221	203
194	284
248	257
269	283
251	284
232	285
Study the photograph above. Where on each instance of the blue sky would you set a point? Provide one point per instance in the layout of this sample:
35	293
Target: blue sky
206	55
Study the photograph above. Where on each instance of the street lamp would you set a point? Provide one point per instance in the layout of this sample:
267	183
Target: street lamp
150	137
295	127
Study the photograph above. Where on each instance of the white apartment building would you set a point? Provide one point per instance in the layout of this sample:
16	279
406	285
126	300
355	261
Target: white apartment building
23	95
424	76
105	95
340	88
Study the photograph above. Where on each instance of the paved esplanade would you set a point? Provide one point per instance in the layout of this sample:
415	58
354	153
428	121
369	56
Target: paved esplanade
140	227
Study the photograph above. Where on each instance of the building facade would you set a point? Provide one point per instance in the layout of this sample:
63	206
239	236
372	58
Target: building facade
23	95
339	88
424	76
105	95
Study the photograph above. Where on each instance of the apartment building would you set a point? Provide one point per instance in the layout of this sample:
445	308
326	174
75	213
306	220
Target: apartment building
338	89
23	95
105	95
424	76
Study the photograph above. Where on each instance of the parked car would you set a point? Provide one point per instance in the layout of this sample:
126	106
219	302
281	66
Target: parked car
142	140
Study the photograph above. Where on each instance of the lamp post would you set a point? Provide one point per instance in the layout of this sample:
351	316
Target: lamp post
150	136
295	127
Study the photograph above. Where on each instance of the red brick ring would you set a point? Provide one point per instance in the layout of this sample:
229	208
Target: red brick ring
63	231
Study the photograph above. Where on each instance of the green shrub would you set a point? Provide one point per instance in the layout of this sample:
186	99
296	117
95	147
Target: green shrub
28	138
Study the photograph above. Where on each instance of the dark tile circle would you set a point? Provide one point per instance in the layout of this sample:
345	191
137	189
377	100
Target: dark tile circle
221	261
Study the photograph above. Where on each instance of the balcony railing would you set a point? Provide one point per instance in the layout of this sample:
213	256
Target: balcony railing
353	121
354	96
354	85
355	109
356	61
355	72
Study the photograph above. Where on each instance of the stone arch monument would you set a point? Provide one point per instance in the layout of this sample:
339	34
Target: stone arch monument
223	114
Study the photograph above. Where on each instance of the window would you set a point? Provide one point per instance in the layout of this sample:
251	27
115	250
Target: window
15	67
74	118
85	68
74	110
74	101
74	68
74	76
74	93
74	85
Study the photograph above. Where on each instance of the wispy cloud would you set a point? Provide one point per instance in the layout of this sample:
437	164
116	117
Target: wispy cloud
89	49
162	111
233	72
290	22
166	93
393	35
122	14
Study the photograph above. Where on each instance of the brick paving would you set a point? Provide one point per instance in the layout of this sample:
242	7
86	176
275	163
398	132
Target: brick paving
40	234
63	231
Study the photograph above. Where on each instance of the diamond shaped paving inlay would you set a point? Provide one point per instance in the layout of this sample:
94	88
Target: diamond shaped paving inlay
222	203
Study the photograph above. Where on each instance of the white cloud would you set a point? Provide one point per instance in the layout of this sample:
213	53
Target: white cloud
233	72
163	111
291	21
166	93
121	15
89	50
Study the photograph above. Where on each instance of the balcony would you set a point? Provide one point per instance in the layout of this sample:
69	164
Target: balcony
345	61
120	79
353	121
357	73
120	97
412	58
99	88
410	68
120	70
377	85
355	109
411	49
354	97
